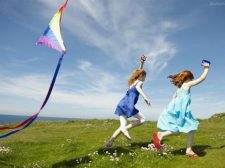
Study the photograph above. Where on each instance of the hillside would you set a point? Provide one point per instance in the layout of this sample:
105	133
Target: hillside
218	116
80	144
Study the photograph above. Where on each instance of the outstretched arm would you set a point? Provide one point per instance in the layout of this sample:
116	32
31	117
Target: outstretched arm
142	60
200	79
139	89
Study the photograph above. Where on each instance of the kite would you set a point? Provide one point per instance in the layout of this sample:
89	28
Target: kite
51	38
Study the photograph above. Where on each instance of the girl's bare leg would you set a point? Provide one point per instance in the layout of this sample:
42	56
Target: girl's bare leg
122	128
161	135
190	139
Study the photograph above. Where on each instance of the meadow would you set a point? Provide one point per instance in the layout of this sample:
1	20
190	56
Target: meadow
81	144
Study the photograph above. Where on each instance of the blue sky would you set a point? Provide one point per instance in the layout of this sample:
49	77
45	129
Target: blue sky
104	40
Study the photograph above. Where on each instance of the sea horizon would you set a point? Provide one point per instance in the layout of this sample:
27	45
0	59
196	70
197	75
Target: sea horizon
10	119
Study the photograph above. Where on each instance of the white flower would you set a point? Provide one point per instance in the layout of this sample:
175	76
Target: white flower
4	149
68	140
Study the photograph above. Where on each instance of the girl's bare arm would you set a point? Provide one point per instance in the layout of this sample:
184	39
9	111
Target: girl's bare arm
139	89
200	79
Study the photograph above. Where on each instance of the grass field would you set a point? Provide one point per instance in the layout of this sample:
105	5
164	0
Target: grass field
80	144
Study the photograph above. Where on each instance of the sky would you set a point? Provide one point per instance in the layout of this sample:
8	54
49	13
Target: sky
104	40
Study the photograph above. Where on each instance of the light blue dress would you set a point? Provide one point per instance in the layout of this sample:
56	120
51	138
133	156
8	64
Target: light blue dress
177	116
126	106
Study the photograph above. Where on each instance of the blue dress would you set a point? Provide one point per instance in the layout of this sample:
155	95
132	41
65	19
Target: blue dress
177	116
126	105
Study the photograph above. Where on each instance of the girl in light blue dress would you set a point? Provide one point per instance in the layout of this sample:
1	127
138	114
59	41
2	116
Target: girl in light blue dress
126	107
177	117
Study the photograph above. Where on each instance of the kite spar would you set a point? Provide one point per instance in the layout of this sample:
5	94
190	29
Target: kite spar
51	38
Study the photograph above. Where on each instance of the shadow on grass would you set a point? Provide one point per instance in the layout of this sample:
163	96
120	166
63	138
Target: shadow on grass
199	149
119	150
219	147
6	164
72	162
136	145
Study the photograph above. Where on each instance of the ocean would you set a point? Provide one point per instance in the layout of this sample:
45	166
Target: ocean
9	119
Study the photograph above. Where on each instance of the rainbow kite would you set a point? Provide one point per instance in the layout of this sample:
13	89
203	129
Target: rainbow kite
51	38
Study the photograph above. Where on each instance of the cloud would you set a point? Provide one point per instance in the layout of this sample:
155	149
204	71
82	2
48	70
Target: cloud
84	66
7	48
77	91
19	62
123	30
92	90
84	91
203	106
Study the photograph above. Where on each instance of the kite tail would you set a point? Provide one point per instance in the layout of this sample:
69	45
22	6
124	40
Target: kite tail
19	129
53	82
29	120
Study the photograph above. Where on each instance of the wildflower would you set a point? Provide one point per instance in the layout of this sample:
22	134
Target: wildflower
68	140
4	149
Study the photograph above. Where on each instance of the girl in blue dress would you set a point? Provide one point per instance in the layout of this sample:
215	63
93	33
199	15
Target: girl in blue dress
177	116
126	107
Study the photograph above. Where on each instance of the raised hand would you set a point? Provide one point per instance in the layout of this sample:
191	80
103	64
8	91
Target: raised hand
143	58
206	63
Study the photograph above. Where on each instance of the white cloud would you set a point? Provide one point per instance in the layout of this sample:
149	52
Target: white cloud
206	104
79	91
19	62
7	48
122	29
84	65
85	92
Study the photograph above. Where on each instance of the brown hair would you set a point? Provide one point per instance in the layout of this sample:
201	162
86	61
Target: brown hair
180	78
135	75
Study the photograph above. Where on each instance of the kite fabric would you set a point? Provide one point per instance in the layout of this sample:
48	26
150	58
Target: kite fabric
51	38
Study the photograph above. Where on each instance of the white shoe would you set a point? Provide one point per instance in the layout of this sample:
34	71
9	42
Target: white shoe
126	133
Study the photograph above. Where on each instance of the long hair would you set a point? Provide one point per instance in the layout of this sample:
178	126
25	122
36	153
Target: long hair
135	75
180	78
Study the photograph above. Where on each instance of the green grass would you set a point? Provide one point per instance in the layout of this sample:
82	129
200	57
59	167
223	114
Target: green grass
80	144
